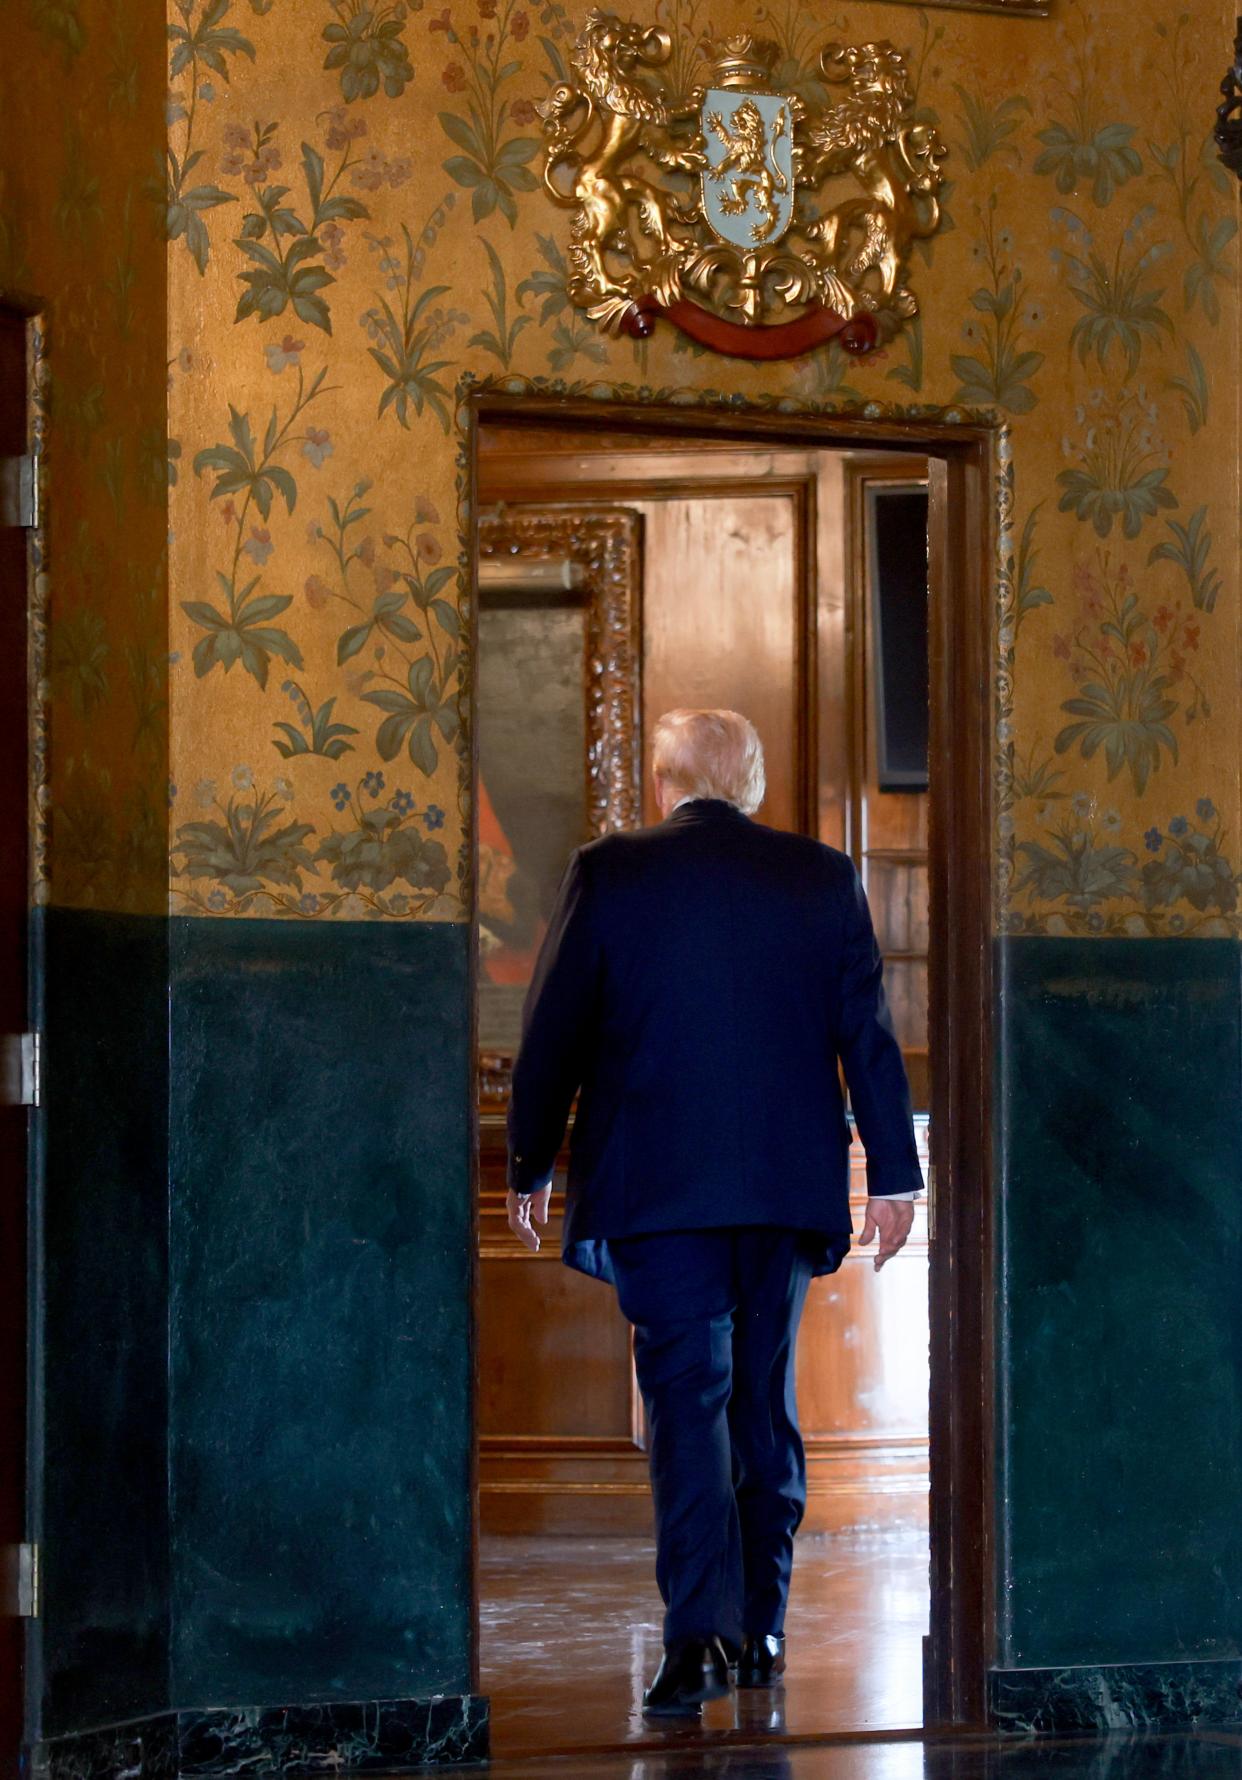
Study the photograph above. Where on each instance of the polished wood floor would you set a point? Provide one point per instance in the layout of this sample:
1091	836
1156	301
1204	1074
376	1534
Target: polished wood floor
570	1635
1201	1755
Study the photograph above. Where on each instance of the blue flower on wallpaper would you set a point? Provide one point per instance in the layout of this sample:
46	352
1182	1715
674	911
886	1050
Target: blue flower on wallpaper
340	796
1178	826
373	784
402	802
217	900
433	816
308	904
1205	810
1153	840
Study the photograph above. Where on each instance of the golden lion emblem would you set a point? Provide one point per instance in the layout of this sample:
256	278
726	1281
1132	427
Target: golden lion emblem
752	174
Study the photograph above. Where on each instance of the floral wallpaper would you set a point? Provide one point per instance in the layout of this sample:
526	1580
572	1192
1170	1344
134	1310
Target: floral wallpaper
82	234
356	221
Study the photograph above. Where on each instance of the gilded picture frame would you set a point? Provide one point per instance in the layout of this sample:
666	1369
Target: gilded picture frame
602	546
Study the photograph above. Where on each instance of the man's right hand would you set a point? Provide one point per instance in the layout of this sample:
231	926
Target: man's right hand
522	1208
890	1219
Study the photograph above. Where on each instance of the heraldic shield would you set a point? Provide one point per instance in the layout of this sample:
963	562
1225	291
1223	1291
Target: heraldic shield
762	209
748	183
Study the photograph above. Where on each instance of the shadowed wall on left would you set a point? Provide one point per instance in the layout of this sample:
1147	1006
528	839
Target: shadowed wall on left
82	240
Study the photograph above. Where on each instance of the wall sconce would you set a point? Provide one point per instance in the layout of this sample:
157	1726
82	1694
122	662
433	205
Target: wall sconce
1228	130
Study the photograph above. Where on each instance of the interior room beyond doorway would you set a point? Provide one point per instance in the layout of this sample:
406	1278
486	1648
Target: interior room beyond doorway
621	574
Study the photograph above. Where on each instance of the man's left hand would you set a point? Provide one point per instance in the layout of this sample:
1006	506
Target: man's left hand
890	1220
522	1208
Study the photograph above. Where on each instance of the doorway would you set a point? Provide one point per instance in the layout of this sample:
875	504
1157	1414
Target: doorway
634	522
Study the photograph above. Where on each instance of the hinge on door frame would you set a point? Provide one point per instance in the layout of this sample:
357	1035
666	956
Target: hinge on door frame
21	1069
21	1581
19	492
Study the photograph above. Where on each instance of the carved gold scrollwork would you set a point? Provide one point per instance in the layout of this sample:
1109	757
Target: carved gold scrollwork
739	207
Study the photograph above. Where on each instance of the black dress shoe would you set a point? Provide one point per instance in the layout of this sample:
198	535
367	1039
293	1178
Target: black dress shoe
691	1671
762	1662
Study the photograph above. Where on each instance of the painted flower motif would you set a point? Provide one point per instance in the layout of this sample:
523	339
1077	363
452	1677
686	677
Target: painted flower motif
205	793
309	903
373	783
1061	647
1177	923
519	25
433	816
443	22
398	904
454	77
258	546
385	578
228	512
283	787
1178	826
402	802
1163	619
366	552
1205	810
1153	840
217	900
426	512
1110	822
343	129
1095	922
288	352
333	235
236	136
1139	654
317	592
523	112
1082	804
399	171
243	778
318	445
371	171
314	532
340	796
1190	636
429	548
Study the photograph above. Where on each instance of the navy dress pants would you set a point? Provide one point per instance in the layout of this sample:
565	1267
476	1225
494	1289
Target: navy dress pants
715	1315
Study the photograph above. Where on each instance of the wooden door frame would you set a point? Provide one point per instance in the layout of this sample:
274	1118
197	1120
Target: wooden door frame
968	487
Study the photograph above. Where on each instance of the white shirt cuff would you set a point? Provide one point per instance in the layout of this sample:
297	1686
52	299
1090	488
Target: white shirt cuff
909	1198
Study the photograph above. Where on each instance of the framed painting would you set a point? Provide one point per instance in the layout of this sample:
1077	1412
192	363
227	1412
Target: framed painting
557	728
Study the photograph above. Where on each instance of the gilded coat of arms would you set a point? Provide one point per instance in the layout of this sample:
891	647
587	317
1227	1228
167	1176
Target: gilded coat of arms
758	221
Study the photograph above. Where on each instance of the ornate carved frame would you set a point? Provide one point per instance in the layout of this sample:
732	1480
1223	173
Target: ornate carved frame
605	544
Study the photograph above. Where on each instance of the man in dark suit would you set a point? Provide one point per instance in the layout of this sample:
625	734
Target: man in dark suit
699	984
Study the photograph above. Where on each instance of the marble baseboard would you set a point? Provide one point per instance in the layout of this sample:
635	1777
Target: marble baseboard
375	1736
145	1749
1116	1697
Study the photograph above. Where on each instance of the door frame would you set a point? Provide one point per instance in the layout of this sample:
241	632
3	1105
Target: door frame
969	494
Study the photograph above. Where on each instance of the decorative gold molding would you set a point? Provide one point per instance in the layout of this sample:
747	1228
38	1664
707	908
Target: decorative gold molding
1030	9
605	546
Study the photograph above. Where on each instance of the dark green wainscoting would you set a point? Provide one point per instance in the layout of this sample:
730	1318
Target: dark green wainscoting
1120	1332
320	1312
99	1500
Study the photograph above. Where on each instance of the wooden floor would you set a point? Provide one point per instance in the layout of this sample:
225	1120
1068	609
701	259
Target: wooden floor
570	1635
1190	1755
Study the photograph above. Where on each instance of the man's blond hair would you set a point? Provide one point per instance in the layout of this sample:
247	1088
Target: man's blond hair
711	754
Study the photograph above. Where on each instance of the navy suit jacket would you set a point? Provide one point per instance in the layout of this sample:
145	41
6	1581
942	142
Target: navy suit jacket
697	986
